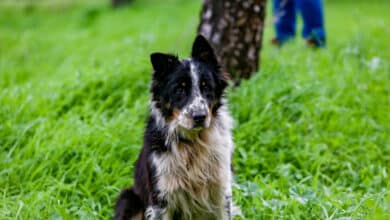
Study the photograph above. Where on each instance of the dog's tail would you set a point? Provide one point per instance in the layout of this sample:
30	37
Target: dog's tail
129	206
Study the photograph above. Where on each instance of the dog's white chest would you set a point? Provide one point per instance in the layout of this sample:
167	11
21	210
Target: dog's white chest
194	176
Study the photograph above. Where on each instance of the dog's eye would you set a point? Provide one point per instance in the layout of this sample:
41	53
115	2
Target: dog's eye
180	90
204	85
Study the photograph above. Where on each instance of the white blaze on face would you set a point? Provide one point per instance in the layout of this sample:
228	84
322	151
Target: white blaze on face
197	104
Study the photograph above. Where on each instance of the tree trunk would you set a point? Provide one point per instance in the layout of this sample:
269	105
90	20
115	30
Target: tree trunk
235	29
118	3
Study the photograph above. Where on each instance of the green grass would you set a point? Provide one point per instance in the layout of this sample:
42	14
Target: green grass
312	127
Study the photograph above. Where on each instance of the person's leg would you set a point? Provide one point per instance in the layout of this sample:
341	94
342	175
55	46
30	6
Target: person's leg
284	19
313	21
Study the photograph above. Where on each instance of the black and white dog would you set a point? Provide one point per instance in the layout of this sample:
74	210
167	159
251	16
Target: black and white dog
184	169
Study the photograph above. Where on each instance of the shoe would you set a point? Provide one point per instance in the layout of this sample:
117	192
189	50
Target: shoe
315	43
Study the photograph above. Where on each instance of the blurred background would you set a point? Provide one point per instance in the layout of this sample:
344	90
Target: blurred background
312	126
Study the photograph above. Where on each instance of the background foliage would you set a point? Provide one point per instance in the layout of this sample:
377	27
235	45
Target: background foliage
312	127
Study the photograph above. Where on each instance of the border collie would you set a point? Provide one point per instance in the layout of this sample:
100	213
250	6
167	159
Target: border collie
184	169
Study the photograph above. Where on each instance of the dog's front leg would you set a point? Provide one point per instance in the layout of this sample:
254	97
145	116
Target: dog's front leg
231	210
228	198
157	209
228	206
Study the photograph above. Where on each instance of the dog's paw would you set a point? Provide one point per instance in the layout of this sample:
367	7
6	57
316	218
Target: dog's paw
150	214
236	211
154	213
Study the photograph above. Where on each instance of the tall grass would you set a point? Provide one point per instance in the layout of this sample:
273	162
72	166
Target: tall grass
312	127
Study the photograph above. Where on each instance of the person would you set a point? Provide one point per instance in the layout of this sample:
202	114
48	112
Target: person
313	21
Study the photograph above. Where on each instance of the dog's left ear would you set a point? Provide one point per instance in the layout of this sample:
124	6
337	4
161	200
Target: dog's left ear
202	50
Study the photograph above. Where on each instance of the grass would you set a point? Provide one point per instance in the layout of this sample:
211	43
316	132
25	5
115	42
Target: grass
312	127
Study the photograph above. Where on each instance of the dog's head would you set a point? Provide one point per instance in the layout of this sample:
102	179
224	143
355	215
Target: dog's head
188	92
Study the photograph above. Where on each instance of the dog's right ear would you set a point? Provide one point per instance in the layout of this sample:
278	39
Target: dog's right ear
163	63
203	51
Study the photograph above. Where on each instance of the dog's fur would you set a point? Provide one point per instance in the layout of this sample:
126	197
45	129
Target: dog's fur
184	168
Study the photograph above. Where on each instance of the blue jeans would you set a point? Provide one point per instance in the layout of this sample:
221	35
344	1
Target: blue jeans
313	19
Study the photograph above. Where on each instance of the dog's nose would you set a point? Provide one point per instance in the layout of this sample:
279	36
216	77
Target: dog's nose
199	119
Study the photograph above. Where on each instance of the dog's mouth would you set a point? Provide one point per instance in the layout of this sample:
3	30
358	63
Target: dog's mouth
198	128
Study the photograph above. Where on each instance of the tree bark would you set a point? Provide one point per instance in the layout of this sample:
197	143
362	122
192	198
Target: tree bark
118	3
235	30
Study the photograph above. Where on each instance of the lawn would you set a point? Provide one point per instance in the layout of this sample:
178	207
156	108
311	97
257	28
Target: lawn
312	127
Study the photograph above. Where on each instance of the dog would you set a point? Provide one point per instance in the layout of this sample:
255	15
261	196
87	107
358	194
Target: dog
184	169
